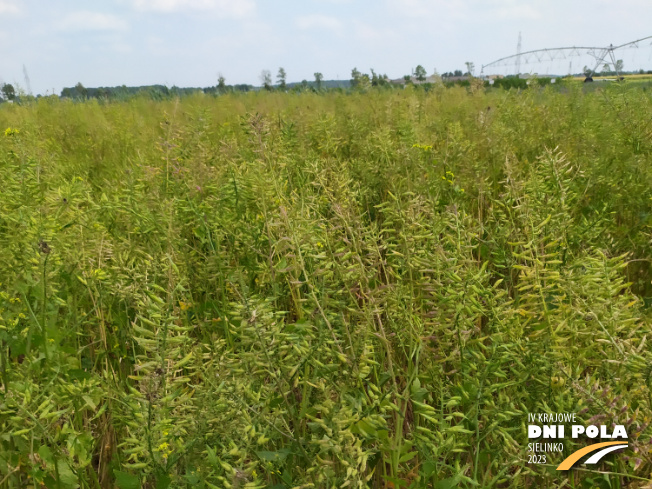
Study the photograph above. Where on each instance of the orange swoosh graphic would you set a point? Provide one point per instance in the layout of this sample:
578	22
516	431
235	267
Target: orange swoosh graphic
575	456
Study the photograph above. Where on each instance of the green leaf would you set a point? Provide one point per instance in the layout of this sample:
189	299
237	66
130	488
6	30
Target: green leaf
407	456
429	467
449	483
163	481
67	477
212	455
46	454
90	402
278	456
125	480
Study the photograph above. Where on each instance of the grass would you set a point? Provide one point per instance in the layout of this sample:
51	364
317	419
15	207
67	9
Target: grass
323	290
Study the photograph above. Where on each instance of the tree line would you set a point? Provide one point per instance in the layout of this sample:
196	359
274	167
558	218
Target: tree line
358	81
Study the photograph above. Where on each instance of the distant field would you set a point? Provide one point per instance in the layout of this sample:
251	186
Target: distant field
613	77
324	290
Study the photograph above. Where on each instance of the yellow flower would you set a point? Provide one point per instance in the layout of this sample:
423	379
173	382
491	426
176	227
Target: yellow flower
164	449
184	305
11	132
425	147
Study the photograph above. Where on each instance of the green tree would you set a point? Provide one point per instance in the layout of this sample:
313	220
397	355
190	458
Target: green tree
365	82
470	68
8	91
359	80
318	79
221	83
281	79
81	90
619	66
266	79
420	73
378	80
355	77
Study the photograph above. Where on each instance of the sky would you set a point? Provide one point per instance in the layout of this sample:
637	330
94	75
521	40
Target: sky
188	43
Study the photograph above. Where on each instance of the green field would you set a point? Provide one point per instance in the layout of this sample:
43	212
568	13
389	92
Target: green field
324	290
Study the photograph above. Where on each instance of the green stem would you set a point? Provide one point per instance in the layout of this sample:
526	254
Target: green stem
43	320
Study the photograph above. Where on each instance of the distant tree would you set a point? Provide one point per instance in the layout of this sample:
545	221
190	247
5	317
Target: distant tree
304	84
81	90
359	80
266	79
280	79
378	80
605	68
420	73
470	67
8	91
356	76
458	73
586	71
619	66
318	79
365	82
221	83
375	79
407	79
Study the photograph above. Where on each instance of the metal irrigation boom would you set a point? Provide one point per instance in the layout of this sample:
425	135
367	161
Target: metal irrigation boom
599	53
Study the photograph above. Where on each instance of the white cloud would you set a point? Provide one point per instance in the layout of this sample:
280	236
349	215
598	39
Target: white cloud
464	10
223	8
8	8
374	35
318	21
516	12
433	9
92	21
367	32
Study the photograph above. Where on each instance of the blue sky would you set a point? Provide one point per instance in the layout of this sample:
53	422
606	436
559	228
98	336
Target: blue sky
188	42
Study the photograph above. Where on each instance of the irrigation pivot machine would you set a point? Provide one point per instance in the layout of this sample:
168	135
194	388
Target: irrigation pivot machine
602	56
